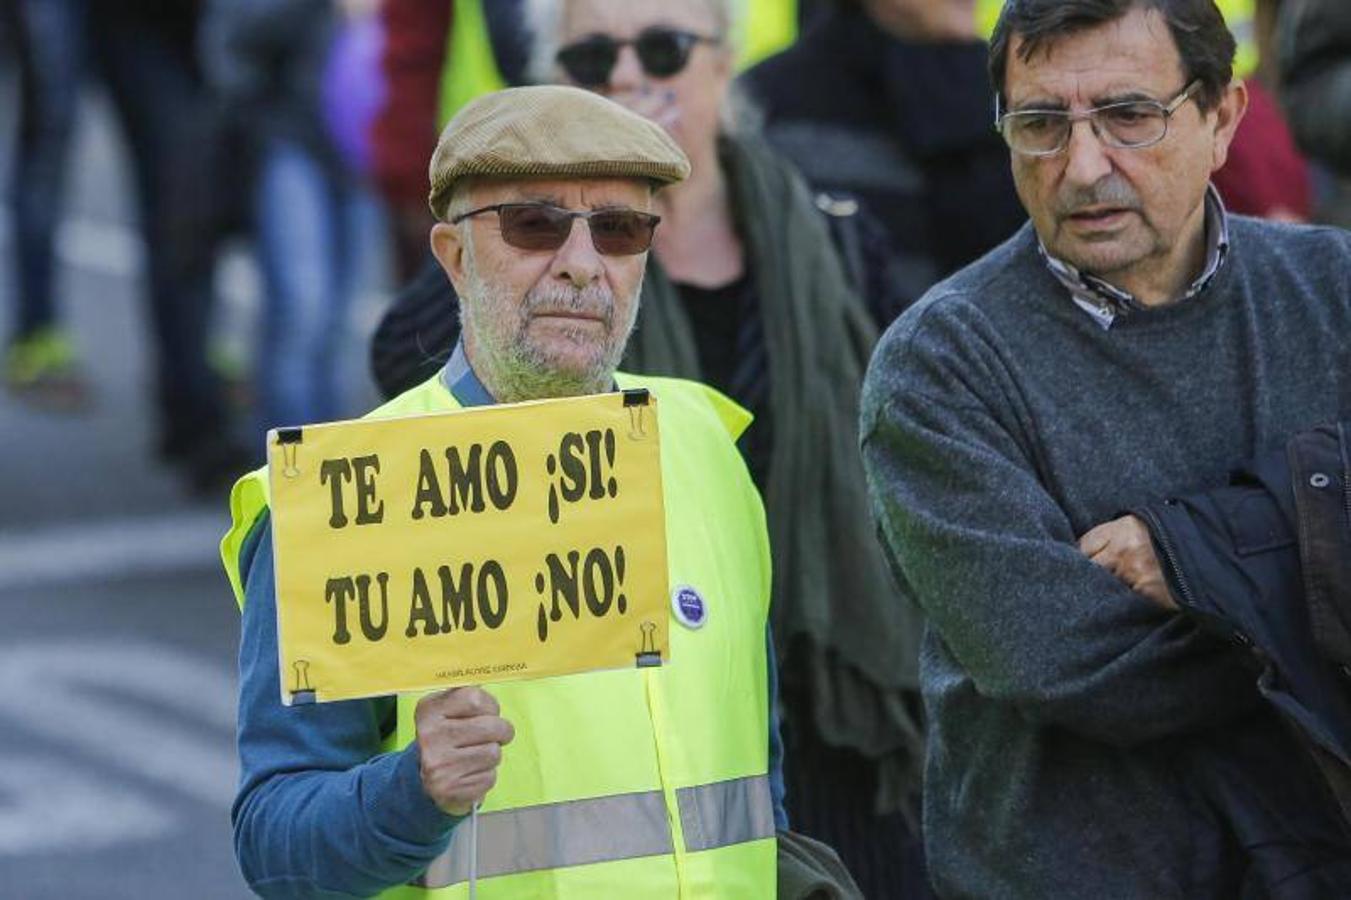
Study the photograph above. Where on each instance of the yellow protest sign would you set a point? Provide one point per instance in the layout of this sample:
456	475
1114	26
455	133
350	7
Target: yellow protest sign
488	544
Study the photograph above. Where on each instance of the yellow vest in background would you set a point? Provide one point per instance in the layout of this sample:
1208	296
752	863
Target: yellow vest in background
471	70
771	26
987	14
1238	14
646	784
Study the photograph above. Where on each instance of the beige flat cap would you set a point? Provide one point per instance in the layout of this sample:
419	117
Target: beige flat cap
550	131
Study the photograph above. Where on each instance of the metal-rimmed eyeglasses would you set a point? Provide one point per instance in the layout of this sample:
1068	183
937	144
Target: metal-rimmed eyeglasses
1128	124
615	231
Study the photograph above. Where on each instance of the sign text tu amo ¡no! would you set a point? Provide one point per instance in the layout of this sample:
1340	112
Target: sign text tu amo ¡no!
510	541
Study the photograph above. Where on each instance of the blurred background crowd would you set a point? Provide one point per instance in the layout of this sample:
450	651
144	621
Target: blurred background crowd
295	134
215	223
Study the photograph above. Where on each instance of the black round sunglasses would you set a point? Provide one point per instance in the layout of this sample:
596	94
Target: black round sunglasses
662	52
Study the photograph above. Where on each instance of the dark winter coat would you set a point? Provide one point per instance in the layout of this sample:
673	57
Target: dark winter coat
1314	51
905	128
1266	562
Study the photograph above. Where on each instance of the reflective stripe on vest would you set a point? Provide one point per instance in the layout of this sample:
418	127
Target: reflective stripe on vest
725	813
606	829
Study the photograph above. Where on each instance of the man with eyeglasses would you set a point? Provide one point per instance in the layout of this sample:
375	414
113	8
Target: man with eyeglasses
1133	342
650	783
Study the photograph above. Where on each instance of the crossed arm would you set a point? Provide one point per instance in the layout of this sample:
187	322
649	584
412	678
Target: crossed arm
1123	547
1038	617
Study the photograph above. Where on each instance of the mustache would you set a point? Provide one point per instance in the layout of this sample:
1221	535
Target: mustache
1111	191
593	300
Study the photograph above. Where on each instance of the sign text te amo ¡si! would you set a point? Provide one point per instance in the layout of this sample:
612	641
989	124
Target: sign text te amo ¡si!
521	541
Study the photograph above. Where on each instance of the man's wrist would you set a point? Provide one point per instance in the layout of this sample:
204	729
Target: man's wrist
413	815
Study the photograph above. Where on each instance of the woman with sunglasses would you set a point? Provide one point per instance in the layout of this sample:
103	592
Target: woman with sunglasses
745	292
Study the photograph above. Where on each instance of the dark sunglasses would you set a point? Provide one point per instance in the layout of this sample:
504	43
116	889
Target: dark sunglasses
543	226
662	52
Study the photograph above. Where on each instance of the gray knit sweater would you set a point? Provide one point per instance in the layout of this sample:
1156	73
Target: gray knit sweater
1000	423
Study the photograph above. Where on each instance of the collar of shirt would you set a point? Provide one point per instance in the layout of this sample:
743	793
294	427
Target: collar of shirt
459	378
1105	302
463	384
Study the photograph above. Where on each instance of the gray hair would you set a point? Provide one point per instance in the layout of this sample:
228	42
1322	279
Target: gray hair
458	201
544	19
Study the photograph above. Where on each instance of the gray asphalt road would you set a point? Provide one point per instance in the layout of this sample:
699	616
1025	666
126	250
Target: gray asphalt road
116	739
117	630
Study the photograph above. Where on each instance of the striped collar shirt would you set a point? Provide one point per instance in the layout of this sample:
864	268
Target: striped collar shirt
1105	302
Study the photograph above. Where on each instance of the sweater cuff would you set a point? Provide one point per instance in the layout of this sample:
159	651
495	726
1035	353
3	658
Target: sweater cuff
405	808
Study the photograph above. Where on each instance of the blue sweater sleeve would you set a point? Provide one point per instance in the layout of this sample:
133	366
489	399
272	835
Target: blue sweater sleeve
776	784
321	812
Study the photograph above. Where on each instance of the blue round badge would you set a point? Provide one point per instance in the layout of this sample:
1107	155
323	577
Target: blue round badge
689	607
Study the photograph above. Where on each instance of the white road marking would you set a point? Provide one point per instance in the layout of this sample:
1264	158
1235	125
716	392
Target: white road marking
65	554
50	807
175	726
105	247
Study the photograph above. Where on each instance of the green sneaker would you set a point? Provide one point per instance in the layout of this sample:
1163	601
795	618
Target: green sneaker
234	375
40	369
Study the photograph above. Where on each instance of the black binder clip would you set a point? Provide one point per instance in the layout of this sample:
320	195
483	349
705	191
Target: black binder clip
635	401
648	656
288	439
303	694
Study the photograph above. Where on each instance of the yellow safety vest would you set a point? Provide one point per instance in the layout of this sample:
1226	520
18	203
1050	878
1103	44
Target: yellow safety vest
471	69
987	14
771	26
642	783
1238	14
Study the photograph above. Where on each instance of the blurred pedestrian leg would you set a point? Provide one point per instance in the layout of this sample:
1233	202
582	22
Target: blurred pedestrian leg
148	62
312	227
40	362
305	79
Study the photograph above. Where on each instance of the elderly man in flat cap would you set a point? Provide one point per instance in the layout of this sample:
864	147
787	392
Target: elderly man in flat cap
656	783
